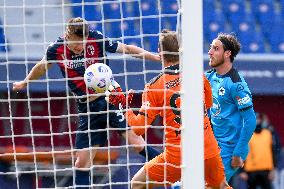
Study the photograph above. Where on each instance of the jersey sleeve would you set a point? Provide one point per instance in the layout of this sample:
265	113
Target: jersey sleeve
241	96
109	44
151	102
243	99
147	113
249	121
50	54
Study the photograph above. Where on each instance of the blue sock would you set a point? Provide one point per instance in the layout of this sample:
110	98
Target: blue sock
82	178
151	152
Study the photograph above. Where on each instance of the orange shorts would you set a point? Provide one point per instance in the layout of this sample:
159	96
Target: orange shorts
158	170
214	171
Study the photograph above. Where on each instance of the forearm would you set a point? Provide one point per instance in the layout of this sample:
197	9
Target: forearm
141	53
138	122
138	52
37	71
247	131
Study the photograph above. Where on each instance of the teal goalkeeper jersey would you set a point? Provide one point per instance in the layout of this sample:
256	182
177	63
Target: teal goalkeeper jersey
232	115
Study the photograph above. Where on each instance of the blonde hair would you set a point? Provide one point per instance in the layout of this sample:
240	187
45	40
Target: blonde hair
77	26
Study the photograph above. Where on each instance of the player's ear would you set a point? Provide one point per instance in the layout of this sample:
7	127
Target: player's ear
228	53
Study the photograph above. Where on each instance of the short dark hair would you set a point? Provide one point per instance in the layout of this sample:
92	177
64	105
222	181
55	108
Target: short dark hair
77	26
169	45
231	43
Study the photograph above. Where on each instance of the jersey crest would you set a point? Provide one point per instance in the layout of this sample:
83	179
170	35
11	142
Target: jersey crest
90	50
221	91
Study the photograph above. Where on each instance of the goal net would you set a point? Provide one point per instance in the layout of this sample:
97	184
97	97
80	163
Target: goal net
38	125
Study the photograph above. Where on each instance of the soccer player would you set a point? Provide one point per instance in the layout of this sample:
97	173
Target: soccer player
232	115
213	165
162	97
76	50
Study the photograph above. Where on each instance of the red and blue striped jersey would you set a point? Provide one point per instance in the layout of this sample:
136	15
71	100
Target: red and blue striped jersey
73	65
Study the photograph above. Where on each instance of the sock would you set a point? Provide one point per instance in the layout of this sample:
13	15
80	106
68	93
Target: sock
151	152
82	178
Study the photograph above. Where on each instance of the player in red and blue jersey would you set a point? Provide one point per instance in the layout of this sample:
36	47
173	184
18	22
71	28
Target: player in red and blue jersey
73	53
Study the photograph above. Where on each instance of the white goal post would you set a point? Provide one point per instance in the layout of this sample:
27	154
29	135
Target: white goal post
192	94
29	26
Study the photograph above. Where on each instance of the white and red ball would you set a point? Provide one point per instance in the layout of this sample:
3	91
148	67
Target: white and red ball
98	77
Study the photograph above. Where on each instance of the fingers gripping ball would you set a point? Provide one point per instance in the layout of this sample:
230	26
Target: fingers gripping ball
98	77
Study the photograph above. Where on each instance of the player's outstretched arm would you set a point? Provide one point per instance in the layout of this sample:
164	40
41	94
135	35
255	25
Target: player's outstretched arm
37	71
137	52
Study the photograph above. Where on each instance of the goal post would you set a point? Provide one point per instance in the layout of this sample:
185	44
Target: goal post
192	94
38	126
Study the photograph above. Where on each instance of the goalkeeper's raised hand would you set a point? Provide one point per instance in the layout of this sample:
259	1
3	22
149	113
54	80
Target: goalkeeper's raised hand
116	96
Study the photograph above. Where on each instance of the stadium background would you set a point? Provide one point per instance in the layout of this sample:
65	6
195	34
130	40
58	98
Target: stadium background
27	27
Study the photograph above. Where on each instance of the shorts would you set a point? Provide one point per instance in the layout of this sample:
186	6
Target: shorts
93	127
158	170
214	171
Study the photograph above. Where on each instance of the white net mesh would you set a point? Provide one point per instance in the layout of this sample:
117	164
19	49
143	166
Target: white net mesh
38	125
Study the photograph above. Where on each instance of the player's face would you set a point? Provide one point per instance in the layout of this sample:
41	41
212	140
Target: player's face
216	53
75	44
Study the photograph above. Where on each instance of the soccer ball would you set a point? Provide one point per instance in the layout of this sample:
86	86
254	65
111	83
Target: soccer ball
98	77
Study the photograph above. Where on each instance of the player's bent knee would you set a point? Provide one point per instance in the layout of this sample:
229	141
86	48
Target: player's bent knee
78	164
137	141
138	148
84	159
81	163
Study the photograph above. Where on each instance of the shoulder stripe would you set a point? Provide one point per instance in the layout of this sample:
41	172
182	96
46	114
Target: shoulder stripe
244	109
234	75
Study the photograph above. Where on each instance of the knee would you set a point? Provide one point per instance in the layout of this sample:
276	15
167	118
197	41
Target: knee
138	148
137	142
81	163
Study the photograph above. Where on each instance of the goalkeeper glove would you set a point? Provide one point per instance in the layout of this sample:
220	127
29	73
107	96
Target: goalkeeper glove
117	98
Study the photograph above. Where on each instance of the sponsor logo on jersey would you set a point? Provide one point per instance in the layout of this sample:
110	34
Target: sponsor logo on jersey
73	64
173	83
221	91
216	108
78	62
244	100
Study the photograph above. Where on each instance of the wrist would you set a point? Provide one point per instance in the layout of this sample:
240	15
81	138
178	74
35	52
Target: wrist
25	82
